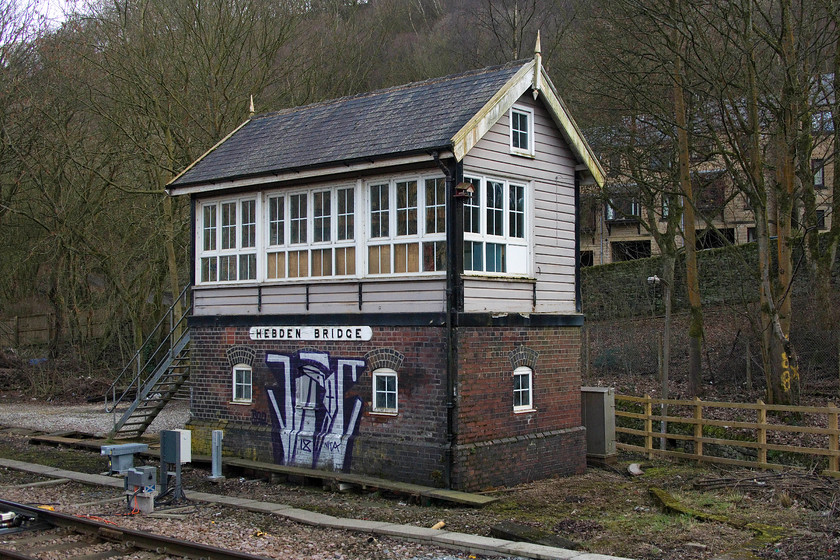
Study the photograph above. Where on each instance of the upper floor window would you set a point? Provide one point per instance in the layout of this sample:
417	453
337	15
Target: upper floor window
400	241
818	168
522	131
396	226
495	222
622	208
228	241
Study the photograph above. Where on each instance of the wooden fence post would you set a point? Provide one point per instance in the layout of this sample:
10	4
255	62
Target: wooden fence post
698	428
648	427
761	436
833	440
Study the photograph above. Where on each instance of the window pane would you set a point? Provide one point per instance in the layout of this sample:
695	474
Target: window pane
345	261
385	392
495	208
435	205
434	256
519	130
379	206
276	220
516	204
242	384
276	265
346	208
496	257
473	256
298	264
322	262
248	267
407	257
379	259
407	208
227	268
249	223
209	227
297	218
208	269
321	213
472	208
229	225
522	388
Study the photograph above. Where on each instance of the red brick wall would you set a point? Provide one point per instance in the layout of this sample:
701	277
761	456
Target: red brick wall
494	446
493	441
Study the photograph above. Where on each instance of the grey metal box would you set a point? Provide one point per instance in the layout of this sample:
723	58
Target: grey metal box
598	416
121	457
142	477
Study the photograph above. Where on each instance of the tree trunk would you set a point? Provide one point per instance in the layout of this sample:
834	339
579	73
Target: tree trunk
695	329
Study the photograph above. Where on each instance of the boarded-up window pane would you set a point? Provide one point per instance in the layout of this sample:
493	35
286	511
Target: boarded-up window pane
298	264
276	265
407	257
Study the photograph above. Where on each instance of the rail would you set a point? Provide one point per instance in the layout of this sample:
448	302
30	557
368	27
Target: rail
171	330
709	431
159	545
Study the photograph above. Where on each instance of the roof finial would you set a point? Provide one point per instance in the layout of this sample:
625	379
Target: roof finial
251	108
537	67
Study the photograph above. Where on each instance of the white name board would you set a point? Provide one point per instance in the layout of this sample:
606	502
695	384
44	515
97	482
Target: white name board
311	333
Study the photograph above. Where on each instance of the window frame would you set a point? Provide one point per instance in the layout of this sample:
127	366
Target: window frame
403	248
509	253
818	169
514	136
523	372
235	384
214	250
283	240
385	373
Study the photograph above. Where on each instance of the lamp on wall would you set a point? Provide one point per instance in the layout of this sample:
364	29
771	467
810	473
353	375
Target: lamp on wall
464	190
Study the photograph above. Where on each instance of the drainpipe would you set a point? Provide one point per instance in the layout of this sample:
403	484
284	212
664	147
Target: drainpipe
578	298
451	309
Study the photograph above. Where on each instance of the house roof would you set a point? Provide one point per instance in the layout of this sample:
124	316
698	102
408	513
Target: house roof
448	113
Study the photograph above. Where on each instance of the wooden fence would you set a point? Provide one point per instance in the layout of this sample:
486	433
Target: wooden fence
722	432
30	330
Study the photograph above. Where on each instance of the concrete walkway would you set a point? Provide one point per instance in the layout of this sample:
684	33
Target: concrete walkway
472	544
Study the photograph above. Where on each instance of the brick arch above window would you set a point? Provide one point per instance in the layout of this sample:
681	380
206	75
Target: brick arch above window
237	355
522	356
384	358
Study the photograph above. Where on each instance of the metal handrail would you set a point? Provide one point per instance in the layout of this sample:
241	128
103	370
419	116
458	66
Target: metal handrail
136	364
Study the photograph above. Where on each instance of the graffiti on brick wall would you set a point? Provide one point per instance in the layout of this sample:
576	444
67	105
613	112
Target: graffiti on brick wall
314	424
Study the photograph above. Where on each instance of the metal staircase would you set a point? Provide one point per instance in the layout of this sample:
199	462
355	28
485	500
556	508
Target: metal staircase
154	374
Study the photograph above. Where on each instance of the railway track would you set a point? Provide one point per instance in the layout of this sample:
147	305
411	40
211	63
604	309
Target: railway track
27	533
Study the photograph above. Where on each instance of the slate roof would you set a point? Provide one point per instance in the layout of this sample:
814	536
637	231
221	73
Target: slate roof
412	118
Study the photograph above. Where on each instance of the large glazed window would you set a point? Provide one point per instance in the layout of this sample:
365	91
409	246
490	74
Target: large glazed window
407	225
228	248
392	227
495	225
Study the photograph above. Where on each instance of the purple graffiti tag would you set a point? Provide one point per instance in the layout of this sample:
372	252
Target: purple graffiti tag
314	423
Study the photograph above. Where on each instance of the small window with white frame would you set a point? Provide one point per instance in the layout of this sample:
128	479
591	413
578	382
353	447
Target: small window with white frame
385	385
521	131
523	391
242	384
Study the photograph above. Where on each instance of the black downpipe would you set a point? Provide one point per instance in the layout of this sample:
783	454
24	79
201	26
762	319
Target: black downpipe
452	297
578	298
